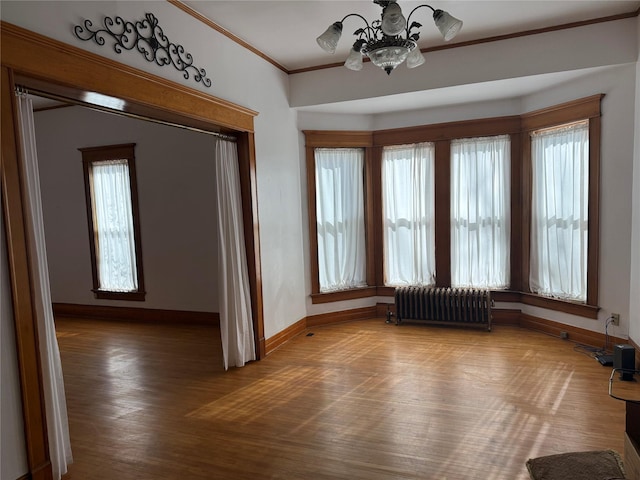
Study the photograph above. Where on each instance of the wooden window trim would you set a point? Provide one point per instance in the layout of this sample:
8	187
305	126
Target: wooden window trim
442	213
378	221
113	152
516	236
588	108
340	139
341	295
566	306
313	226
484	127
369	215
519	128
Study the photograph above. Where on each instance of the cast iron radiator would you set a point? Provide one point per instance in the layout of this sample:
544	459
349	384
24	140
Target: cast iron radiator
462	306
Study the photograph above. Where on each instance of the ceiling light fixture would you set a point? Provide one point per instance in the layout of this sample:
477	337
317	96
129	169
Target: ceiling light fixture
388	42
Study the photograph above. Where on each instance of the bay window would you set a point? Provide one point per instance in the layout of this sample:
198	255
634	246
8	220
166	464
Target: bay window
507	203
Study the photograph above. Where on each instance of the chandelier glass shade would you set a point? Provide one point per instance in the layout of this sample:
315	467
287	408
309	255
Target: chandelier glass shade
389	41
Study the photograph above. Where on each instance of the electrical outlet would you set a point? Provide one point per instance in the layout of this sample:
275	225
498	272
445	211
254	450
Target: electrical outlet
615	318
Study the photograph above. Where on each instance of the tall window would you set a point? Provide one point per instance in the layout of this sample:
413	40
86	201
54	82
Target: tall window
408	214
559	225
340	218
113	227
480	212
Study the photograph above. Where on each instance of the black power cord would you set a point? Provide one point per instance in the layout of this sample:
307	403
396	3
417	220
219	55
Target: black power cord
595	352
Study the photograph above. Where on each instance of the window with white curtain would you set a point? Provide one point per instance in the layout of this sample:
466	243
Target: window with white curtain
480	212
112	207
408	213
559	211
340	218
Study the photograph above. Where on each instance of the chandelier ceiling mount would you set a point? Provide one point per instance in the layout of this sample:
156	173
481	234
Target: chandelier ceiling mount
389	41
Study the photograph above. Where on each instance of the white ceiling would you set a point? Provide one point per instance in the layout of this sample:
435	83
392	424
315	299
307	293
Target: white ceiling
285	30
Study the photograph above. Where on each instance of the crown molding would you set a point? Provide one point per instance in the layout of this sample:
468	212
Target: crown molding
198	16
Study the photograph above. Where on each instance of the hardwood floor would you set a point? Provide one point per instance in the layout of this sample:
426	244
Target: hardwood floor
361	400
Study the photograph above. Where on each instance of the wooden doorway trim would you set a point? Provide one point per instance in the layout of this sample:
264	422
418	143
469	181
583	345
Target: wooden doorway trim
57	68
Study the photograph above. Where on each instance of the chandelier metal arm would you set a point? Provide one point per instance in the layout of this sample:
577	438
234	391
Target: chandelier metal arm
369	32
410	25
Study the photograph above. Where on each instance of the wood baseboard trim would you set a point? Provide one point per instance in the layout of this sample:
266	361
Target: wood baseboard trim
41	472
576	334
500	317
343	316
280	338
506	316
381	309
102	312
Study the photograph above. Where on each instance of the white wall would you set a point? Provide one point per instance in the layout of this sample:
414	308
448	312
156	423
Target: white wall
634	284
176	194
13	455
450	113
238	76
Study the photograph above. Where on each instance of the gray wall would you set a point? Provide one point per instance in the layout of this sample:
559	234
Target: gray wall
176	193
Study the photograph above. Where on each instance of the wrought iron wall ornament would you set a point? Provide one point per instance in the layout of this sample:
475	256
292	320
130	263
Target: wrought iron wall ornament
147	37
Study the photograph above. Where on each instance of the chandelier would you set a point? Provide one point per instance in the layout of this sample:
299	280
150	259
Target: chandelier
388	42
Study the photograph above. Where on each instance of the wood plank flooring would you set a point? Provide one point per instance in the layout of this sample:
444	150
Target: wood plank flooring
361	400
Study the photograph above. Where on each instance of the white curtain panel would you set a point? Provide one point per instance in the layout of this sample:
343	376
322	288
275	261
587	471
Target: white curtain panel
236	324
559	224
113	220
53	383
340	218
480	212
408	209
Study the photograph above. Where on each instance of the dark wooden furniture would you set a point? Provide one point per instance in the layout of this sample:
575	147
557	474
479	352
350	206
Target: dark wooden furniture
632	441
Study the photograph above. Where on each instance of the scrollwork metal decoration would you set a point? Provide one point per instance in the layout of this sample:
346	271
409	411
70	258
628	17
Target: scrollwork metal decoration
147	37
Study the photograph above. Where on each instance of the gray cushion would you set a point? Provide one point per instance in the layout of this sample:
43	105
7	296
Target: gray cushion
596	465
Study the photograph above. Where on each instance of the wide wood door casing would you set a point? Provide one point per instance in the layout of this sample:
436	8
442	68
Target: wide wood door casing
46	65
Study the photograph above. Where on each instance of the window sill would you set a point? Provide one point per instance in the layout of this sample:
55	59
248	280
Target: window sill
129	296
343	295
566	306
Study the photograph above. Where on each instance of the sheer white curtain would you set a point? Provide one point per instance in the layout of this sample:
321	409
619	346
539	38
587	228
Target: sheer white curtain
559	223
236	321
340	218
53	383
480	212
408	196
113	218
